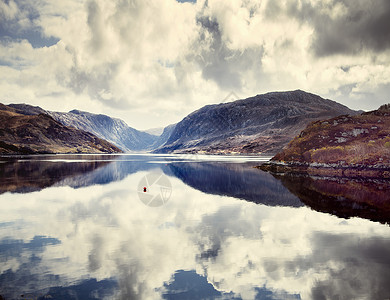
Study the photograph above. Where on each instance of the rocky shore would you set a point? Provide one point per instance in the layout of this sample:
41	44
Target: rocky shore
328	170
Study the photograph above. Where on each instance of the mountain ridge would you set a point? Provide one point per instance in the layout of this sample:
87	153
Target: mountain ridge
260	124
40	133
113	130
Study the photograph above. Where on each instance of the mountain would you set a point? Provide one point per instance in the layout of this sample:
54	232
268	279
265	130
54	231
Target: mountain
113	130
26	109
110	129
155	131
163	138
40	133
261	124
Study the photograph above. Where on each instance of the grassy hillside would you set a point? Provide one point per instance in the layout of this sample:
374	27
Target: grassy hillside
345	140
29	134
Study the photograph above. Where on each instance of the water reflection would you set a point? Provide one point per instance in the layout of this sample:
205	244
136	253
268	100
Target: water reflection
235	180
33	173
226	178
28	175
342	197
100	241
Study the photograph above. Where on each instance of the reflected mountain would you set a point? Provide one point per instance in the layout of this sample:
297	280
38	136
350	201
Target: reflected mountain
218	178
101	242
342	197
235	180
25	176
34	173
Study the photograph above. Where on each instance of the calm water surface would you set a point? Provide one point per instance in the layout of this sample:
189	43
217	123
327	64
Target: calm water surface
81	227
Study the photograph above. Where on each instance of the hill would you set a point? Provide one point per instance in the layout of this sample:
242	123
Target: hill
350	146
362	139
113	130
30	134
261	124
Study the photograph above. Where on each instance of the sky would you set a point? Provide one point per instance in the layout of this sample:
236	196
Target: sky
152	62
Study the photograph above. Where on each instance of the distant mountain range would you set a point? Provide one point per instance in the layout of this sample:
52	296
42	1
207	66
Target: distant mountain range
40	133
110	129
260	124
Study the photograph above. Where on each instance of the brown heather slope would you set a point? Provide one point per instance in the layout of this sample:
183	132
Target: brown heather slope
21	134
345	140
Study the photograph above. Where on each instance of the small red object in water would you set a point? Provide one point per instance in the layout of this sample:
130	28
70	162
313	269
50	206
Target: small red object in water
144	189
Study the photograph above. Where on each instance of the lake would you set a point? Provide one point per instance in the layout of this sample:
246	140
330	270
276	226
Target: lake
187	227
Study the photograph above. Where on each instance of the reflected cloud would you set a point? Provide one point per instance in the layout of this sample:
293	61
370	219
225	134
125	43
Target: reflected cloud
103	240
86	290
360	267
190	285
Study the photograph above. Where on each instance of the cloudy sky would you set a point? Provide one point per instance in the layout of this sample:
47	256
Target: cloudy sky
151	62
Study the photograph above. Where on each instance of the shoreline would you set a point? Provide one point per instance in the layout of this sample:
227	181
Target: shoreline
329	170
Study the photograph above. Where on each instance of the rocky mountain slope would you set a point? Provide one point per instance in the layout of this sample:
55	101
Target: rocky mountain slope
361	139
113	130
345	146
110	129
260	124
40	133
162	139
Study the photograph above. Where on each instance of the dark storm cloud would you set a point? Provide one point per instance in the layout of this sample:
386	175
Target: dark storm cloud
364	27
217	61
361	25
95	82
214	59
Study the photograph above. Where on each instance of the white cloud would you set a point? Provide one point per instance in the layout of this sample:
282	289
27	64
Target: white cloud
158	61
8	11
